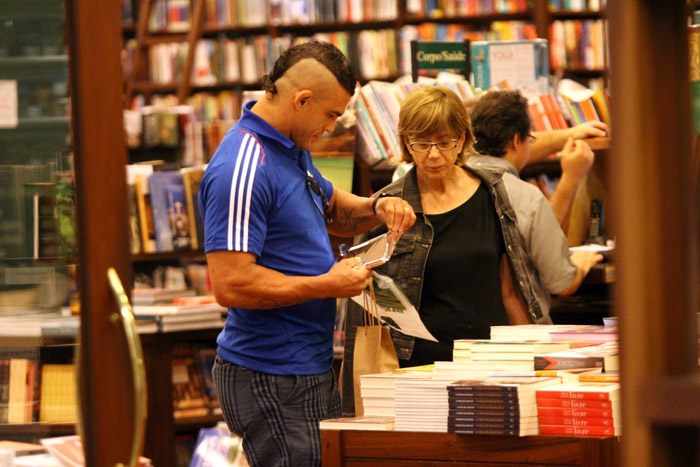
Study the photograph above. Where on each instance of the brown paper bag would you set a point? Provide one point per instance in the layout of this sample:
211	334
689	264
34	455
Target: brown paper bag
374	351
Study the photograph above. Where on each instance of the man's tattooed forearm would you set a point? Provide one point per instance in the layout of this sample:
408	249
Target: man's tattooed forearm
351	223
269	303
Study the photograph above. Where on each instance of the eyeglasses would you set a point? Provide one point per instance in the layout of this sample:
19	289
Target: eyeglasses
424	146
316	188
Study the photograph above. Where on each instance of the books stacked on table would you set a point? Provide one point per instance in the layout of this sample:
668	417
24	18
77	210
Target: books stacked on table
478	369
529	332
580	409
365	422
603	356
421	404
462	349
504	352
496	406
378	391
586	333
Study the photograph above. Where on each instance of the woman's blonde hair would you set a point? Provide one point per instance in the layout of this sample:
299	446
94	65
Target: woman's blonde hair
431	111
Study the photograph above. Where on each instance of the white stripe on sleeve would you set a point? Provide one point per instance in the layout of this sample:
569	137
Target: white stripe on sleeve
232	195
248	196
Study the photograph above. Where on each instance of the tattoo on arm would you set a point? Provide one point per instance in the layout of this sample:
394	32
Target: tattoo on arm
270	303
347	219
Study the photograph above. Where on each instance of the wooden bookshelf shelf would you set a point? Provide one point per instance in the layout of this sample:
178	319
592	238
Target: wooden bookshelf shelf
594	72
167	256
43	430
189	425
585	14
162	38
150	87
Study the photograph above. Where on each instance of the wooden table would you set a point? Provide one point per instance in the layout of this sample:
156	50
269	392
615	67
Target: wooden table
352	448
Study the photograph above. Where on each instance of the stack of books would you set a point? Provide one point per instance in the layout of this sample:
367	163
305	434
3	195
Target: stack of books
378	392
183	314
528	332
421	404
505	352
604	356
462	349
580	409
478	369
496	406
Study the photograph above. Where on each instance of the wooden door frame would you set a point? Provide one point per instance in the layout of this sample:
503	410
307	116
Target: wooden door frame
94	41
654	217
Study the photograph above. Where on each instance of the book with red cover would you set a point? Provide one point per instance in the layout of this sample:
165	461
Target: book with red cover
563	430
568	412
579	421
596	391
543	401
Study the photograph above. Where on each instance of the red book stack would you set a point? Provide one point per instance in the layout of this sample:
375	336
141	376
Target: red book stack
579	409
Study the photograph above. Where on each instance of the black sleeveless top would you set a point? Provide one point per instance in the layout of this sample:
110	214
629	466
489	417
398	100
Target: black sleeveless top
461	296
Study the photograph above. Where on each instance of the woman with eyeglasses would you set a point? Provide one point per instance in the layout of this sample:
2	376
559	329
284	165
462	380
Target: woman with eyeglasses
464	265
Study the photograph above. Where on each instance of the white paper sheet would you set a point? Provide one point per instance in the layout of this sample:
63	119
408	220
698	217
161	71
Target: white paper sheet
394	308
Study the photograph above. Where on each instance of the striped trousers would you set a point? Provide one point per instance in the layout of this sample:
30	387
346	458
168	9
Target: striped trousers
276	416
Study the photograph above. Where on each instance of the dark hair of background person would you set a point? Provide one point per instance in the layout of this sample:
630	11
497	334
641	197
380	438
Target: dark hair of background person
496	118
323	52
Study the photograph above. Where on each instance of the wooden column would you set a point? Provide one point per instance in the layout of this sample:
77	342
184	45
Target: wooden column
656	279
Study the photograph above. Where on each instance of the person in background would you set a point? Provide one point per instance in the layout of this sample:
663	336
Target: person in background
464	264
267	213
498	116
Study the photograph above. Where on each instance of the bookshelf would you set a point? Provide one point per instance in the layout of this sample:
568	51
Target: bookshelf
391	15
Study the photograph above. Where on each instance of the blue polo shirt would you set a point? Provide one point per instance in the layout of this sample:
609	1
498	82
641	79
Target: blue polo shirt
254	198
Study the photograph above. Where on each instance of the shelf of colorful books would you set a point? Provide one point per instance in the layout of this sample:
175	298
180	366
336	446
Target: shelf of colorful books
480	19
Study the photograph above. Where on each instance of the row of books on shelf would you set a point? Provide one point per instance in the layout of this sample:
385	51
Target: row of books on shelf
378	106
193	135
509	385
578	44
194	392
449	8
163	208
576	5
34	391
175	15
374	53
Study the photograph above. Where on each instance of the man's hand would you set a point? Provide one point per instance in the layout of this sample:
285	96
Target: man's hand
576	159
348	278
396	213
592	129
585	260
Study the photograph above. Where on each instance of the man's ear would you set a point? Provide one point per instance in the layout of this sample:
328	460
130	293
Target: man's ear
515	142
302	98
